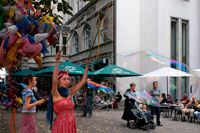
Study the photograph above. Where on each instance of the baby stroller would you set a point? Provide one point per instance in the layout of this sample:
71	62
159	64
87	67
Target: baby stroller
140	119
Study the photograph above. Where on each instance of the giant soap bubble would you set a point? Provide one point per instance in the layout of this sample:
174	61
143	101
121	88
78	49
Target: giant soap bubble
146	62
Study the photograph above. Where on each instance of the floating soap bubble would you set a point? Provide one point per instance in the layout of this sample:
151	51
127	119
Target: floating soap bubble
103	99
103	95
146	62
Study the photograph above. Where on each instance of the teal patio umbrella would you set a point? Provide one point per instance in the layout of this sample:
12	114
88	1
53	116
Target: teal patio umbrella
73	69
114	70
24	72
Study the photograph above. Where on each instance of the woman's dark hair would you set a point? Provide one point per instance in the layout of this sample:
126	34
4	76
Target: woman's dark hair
28	78
155	82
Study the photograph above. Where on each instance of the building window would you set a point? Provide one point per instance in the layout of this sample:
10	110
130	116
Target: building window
64	45
173	87
184	85
57	48
64	50
75	43
64	40
103	36
174	40
77	4
87	37
185	42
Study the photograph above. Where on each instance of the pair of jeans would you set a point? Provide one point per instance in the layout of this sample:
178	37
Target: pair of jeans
156	110
87	108
197	114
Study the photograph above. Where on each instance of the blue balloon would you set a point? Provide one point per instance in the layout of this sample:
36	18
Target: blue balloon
31	38
44	48
6	42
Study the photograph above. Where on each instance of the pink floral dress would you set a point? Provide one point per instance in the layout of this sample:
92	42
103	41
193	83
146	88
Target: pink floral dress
65	120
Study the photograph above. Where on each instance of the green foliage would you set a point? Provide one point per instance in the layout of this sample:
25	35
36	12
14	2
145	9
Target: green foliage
4	2
46	8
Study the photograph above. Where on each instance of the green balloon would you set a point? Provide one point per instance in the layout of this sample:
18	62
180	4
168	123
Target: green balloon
1	17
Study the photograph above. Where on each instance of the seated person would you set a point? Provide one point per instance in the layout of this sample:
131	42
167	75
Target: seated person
169	98
118	99
144	110
164	99
197	114
190	108
141	112
184	99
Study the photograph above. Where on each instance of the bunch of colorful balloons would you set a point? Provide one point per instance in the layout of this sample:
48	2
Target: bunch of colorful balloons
8	99
24	32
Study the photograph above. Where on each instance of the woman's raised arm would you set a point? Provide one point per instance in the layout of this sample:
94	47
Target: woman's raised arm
78	86
54	90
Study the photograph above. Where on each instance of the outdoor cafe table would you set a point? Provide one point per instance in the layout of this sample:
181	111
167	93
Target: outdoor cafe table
176	109
166	107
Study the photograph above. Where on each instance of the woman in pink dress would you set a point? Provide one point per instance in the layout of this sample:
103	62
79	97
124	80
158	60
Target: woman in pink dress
61	100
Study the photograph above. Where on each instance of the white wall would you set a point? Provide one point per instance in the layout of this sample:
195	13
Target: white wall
145	25
128	26
128	37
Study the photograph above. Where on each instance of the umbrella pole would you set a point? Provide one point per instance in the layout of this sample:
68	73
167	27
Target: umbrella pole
167	85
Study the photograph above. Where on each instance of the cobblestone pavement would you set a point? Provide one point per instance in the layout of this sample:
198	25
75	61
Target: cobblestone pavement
102	121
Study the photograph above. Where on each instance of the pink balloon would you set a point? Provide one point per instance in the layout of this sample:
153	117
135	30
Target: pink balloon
12	39
32	49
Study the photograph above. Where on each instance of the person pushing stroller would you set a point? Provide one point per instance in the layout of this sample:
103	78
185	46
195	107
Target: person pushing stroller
136	117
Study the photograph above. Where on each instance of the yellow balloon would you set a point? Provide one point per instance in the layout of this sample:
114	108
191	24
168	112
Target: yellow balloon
20	100
11	13
12	53
47	19
38	60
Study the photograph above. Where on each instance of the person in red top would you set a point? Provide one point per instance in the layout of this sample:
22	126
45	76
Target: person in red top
184	99
63	106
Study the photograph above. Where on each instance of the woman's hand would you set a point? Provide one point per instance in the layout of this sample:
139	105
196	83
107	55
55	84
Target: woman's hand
41	101
57	57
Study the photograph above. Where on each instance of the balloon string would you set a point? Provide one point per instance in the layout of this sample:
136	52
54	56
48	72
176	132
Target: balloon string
14	119
11	122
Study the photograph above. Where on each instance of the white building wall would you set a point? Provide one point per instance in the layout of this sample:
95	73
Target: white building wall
145	25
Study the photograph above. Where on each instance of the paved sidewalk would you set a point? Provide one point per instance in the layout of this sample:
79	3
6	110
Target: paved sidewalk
102	121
